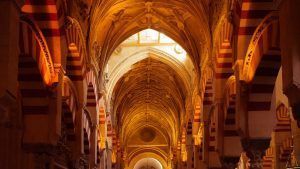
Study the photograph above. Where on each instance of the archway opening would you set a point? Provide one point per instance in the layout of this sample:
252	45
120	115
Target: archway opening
148	163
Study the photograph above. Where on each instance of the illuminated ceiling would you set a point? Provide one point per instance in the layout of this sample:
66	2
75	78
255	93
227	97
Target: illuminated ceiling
149	81
149	77
185	21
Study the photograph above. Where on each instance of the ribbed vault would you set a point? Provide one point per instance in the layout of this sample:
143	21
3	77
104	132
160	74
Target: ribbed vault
148	86
185	21
150	94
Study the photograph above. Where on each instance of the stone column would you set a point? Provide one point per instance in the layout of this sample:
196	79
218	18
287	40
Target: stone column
255	150
206	143
190	152
10	116
9	45
93	147
108	161
289	17
196	155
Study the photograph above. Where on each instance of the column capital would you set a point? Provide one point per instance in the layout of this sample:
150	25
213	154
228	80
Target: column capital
255	150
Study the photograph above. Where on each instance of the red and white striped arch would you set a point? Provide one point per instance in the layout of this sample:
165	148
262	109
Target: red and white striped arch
251	13
33	44
261	67
36	70
224	58
91	79
77	55
109	132
229	108
213	133
87	128
69	106
203	100
49	16
183	138
283	119
197	115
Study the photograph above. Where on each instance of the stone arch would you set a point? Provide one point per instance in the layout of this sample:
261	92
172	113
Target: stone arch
281	142
36	75
102	125
223	46
177	30
154	155
74	65
263	51
86	142
90	79
229	107
91	102
77	55
70	106
87	128
49	17
109	132
197	114
92	111
250	14
123	67
283	119
231	134
33	44
264	44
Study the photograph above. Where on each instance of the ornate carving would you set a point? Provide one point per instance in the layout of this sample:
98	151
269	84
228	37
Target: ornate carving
97	51
216	8
255	150
83	9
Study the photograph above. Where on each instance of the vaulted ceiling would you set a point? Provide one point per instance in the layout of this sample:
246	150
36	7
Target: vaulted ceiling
185	21
150	94
148	99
